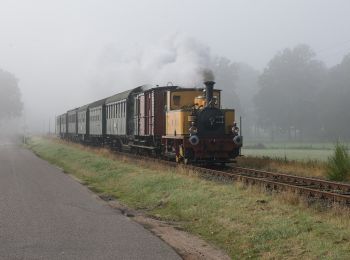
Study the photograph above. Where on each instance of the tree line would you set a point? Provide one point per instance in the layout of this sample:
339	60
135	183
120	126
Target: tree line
295	97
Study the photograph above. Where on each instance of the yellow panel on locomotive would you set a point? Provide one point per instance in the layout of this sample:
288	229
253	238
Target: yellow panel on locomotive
197	129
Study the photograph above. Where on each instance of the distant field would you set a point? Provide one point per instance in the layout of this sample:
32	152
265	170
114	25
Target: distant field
301	151
292	145
290	154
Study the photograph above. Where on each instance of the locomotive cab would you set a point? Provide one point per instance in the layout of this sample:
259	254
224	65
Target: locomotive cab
197	129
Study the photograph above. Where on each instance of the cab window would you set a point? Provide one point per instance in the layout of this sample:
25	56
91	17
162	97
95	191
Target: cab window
176	100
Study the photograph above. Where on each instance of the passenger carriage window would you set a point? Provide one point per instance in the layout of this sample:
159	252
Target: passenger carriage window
118	110
122	109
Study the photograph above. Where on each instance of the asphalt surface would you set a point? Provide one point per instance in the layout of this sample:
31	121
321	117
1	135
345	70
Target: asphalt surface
45	214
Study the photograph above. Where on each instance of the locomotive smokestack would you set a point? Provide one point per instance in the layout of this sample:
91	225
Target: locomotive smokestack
209	86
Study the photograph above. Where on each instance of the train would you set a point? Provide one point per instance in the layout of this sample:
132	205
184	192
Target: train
184	124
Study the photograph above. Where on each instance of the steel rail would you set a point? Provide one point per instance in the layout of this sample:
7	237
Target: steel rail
305	186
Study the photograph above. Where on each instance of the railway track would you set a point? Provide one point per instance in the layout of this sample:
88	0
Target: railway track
311	188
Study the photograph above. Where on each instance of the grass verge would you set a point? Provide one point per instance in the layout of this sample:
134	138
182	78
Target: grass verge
244	221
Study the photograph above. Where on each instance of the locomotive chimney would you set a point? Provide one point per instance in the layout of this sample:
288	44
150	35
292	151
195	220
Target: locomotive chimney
209	86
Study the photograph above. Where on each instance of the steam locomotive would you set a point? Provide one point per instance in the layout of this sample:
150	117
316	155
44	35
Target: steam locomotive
187	124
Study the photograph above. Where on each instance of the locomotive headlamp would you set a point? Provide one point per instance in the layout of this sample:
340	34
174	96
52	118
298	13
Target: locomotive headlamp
194	140
237	140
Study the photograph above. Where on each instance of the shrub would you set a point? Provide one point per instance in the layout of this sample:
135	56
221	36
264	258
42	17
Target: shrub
338	166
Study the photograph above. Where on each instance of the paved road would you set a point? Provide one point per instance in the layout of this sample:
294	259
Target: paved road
45	214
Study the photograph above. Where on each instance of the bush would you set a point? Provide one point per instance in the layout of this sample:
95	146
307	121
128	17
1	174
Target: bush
338	166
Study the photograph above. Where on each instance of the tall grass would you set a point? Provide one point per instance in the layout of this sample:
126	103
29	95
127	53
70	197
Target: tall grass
338	166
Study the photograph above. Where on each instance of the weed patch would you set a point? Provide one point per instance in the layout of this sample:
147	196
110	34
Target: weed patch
338	166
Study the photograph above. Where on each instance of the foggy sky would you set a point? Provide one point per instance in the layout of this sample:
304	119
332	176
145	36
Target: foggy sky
54	47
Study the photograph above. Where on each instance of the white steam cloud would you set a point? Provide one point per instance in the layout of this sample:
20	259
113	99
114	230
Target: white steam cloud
180	60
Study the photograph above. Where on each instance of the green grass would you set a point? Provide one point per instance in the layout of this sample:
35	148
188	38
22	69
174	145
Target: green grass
290	154
327	145
301	151
245	222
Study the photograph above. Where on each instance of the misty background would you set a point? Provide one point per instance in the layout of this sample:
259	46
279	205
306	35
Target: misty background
283	65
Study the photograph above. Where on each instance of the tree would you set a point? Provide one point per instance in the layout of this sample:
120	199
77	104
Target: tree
289	90
10	96
335	101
